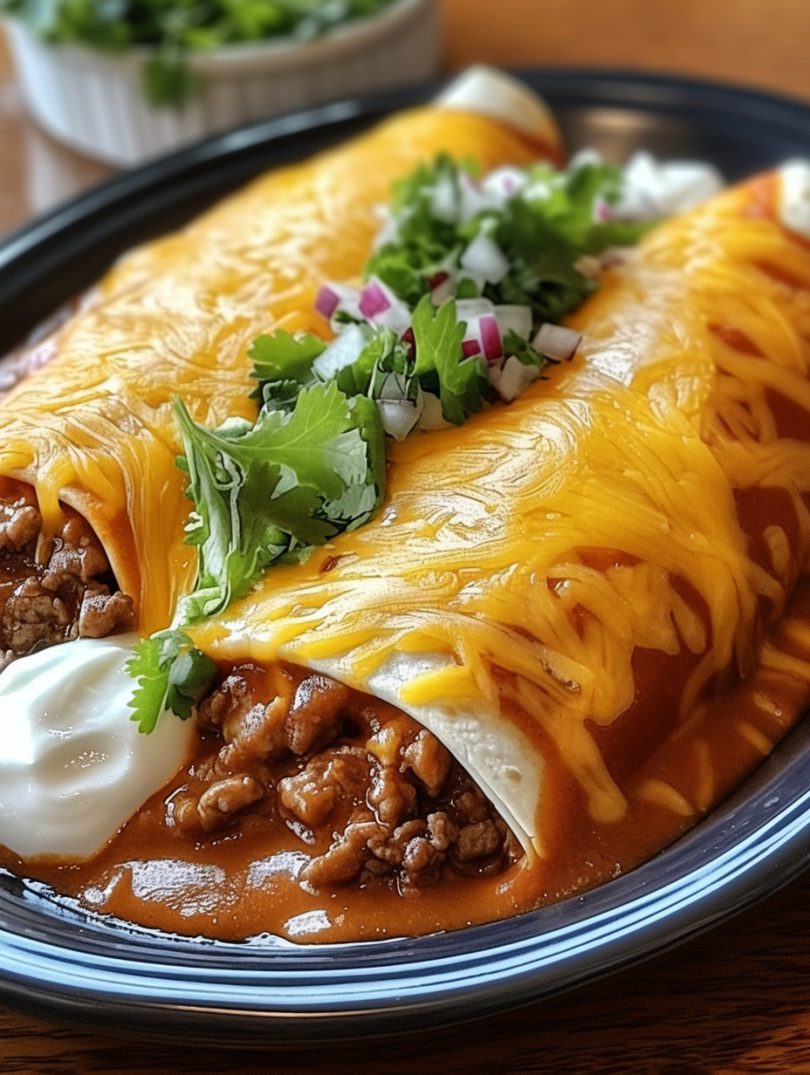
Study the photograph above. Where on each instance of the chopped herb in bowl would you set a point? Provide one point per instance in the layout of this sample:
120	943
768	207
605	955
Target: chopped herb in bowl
173	31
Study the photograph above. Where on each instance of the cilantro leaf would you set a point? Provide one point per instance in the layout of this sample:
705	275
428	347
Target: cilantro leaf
462	382
285	359
293	479
171	674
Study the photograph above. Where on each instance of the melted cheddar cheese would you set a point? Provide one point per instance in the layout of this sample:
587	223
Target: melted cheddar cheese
95	428
544	546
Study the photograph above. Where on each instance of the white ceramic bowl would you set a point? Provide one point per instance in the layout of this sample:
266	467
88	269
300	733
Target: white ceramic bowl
94	101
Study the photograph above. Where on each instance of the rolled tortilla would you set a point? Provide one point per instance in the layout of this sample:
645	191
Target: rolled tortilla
95	429
557	585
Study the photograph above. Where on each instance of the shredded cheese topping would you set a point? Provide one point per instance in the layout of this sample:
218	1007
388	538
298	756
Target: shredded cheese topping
95	428
544	544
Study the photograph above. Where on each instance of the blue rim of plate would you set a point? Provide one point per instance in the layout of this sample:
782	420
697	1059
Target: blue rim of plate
93	971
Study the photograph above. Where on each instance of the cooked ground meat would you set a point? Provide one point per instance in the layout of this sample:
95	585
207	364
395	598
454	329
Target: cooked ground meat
52	591
372	795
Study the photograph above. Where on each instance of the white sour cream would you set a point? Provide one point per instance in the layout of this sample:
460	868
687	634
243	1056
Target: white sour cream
794	197
73	767
653	188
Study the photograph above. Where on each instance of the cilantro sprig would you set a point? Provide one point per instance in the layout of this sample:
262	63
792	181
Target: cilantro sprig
294	479
171	674
261	493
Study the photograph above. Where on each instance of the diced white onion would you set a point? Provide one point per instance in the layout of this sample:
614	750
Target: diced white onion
432	416
474	198
398	416
537	191
512	378
343	350
389	228
443	291
486	259
468	309
556	341
504	183
514	319
444	201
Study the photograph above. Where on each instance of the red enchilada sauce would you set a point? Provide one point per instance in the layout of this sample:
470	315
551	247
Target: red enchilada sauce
247	875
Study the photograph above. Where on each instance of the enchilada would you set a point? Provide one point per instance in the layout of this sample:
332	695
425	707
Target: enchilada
498	600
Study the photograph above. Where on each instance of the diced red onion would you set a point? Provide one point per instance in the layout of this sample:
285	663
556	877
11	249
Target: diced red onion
398	416
347	299
409	340
602	211
343	350
490	338
380	305
556	341
517	319
373	300
471	347
485	258
326	301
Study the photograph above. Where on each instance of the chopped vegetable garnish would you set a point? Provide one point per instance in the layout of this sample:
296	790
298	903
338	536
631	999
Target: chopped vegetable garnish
294	479
171	674
459	308
172	31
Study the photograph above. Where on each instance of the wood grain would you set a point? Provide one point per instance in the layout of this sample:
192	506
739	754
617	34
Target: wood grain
734	1001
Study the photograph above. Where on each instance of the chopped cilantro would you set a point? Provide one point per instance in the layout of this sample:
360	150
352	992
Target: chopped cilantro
173	31
292	480
313	463
461	383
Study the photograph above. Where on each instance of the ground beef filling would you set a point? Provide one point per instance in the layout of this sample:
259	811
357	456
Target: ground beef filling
367	791
52	590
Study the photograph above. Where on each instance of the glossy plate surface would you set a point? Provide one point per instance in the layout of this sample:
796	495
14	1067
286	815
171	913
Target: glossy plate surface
72	965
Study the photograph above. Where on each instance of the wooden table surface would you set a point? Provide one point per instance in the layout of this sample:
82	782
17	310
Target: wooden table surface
735	1000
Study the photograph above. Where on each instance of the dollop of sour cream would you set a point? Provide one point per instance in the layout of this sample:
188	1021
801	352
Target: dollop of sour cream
794	197
73	767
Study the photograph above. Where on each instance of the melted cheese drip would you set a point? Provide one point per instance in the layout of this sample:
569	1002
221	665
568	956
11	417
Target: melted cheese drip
542	544
95	428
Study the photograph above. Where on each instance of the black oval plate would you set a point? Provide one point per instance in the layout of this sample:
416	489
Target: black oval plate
87	969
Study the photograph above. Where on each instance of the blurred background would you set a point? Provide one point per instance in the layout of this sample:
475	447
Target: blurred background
750	42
